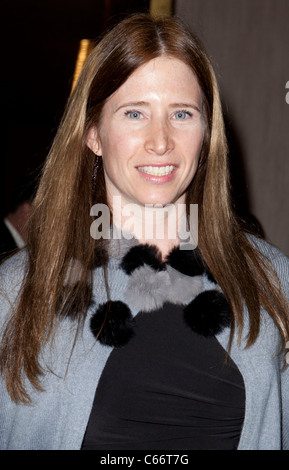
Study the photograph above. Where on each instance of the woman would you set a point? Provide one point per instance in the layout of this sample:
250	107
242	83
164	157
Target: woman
117	343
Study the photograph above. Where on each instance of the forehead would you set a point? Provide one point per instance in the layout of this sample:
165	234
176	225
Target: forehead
166	77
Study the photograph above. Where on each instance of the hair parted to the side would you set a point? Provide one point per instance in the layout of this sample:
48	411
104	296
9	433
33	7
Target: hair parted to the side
60	226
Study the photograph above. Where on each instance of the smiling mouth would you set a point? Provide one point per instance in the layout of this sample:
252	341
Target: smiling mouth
157	170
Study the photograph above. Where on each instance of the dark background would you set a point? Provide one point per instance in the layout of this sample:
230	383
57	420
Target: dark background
40	41
247	41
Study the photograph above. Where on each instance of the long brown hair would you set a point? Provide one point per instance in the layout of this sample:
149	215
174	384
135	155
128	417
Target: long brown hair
60	225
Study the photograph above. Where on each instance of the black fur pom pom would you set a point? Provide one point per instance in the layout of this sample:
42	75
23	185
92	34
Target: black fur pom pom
142	254
112	324
189	262
208	314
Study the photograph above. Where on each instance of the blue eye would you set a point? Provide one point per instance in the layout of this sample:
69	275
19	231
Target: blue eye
133	114
182	115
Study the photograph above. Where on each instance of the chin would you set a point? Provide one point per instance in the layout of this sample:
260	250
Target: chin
158	200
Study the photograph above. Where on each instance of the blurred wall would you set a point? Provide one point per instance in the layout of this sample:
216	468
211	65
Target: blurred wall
248	42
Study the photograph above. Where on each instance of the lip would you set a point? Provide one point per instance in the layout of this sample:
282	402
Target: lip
157	179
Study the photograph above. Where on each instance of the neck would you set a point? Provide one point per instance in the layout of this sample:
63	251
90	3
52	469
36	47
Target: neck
156	225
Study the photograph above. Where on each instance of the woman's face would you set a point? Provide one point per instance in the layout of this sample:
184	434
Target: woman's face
151	134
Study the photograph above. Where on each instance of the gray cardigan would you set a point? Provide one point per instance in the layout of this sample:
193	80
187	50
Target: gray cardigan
57	417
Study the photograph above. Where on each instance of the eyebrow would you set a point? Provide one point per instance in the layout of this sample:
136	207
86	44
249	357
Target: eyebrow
145	103
185	105
132	104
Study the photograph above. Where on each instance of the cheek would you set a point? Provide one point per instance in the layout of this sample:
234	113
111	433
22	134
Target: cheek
199	136
193	144
120	147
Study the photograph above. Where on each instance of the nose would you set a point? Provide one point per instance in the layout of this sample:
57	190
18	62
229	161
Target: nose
159	139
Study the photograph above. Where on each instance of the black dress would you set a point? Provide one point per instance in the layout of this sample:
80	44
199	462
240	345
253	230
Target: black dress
167	388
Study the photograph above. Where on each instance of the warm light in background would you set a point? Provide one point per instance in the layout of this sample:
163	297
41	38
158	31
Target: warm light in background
84	50
160	7
157	7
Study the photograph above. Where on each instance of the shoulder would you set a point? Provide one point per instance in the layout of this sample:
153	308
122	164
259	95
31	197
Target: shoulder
13	268
276	258
12	272
270	251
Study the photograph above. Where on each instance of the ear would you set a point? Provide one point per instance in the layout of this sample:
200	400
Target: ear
93	141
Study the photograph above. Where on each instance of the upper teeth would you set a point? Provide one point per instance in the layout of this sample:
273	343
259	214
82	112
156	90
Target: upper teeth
157	170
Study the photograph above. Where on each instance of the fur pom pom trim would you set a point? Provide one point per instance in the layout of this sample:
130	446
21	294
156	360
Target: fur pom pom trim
189	262
208	314
140	255
148	290
112	324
